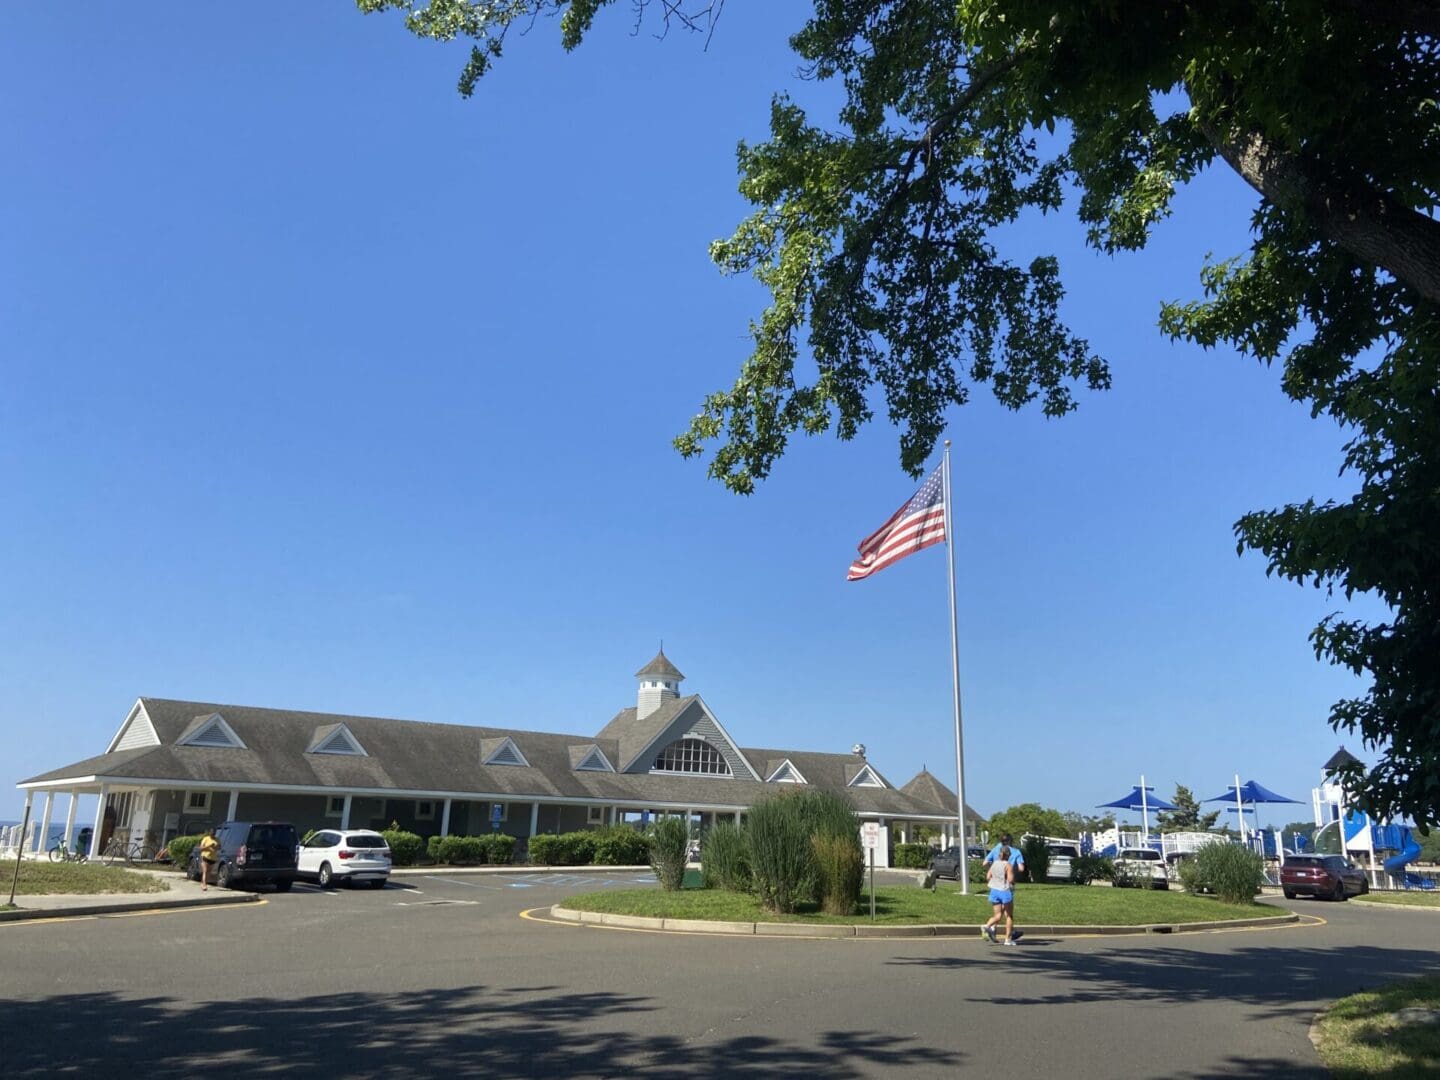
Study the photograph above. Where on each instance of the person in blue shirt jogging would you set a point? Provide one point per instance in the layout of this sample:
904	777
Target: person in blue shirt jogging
1017	863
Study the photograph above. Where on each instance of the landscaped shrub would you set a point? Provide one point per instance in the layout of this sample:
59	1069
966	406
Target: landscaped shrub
621	845
725	858
180	849
841	872
669	850
460	850
499	849
976	869
1036	856
1233	873
405	847
1087	868
565	849
782	859
913	856
432	848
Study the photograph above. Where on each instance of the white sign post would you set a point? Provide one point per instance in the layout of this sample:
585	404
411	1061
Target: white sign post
870	837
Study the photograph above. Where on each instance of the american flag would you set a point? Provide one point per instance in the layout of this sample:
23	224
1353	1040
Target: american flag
918	524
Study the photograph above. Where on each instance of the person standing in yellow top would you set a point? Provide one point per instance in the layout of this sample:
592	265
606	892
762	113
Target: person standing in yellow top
209	856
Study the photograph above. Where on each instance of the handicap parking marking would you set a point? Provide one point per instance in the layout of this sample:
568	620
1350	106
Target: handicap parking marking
467	884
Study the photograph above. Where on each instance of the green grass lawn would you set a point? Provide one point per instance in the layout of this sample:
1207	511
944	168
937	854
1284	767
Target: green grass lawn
1062	905
1405	899
47	877
1361	1036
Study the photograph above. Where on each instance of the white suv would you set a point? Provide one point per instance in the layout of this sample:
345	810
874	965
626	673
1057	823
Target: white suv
1134	865
344	855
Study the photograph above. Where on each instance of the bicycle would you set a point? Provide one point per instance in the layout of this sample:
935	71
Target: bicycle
118	850
60	853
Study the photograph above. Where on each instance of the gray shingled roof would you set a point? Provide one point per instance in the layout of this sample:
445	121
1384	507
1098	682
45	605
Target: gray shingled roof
661	666
633	733
414	757
925	787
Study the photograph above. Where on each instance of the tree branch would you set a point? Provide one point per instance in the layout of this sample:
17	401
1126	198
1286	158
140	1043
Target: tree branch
1368	223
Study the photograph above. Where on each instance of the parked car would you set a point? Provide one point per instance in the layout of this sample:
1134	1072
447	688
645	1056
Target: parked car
1060	856
252	853
947	863
1135	865
975	851
344	856
1329	877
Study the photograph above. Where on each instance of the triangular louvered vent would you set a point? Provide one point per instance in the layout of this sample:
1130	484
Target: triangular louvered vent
866	777
214	732
786	774
594	761
507	753
339	741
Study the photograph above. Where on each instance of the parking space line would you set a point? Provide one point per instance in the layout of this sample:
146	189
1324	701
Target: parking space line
467	884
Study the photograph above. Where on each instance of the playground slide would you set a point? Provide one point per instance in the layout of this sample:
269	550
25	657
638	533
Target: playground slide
1411	851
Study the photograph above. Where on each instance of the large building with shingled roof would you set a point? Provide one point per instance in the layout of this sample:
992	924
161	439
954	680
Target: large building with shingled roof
174	767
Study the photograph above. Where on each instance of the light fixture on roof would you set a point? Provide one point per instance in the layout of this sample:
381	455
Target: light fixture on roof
858	749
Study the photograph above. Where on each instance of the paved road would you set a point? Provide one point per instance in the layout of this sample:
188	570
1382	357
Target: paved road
446	976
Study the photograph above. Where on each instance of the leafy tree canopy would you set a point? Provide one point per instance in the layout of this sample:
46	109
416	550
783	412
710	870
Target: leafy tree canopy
1029	818
1077	823
874	233
1186	817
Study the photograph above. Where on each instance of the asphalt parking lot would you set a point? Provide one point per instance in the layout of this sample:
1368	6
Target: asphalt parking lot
441	974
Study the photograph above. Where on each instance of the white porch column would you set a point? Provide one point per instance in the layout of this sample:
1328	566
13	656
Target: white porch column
99	822
344	811
45	822
70	819
737	819
534	818
445	819
613	811
20	841
234	805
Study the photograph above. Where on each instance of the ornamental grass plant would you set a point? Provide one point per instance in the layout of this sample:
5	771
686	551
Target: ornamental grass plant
725	858
1233	873
840	870
669	850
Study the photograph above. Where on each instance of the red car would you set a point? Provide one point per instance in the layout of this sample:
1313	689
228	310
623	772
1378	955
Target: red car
1328	877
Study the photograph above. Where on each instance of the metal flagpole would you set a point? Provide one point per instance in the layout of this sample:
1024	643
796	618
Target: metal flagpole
964	859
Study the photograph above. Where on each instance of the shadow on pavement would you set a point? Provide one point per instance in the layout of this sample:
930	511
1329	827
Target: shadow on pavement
1274	983
474	1030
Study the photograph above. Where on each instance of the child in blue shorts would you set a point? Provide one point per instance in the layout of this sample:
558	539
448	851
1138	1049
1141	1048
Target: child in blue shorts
1001	879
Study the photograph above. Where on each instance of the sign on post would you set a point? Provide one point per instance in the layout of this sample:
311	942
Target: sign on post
497	811
870	837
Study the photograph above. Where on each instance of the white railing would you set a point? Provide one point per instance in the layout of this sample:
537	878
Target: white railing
12	839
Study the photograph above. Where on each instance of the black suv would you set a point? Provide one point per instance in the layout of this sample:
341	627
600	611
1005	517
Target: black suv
252	853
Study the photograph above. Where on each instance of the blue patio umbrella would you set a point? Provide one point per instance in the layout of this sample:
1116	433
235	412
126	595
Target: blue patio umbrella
1249	792
1140	798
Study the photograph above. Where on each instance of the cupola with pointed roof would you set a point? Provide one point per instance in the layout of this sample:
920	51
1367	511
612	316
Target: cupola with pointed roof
659	682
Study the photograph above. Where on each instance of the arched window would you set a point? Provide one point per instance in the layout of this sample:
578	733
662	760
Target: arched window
691	756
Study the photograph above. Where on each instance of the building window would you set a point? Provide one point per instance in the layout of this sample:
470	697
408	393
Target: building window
691	756
596	815
335	806
197	801
425	810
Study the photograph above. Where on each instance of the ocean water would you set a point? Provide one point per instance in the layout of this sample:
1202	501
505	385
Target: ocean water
56	831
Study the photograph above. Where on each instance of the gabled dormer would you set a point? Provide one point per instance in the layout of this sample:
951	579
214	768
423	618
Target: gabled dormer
865	776
210	731
786	773
589	759
335	739
502	751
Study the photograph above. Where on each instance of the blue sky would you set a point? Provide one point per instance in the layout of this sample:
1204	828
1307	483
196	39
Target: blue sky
323	388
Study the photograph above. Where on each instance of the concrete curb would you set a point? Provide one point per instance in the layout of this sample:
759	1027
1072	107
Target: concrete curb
85	910
1393	907
867	930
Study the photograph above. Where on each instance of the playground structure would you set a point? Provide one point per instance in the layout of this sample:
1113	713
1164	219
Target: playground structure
1383	849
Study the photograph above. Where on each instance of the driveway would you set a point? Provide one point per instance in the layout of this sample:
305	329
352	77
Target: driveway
444	975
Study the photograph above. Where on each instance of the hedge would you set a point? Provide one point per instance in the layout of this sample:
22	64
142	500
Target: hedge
621	845
913	856
565	849
405	847
180	849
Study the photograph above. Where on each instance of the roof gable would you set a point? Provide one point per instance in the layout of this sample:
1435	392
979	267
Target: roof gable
335	739
589	759
501	752
786	773
865	776
692	719
138	730
211	731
